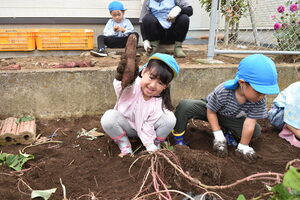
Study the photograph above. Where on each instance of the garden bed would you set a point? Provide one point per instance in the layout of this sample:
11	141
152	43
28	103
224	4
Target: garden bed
194	53
92	167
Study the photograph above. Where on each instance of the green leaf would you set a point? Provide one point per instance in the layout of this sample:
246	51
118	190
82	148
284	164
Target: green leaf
3	157
24	119
281	192
16	162
167	145
45	194
241	197
291	179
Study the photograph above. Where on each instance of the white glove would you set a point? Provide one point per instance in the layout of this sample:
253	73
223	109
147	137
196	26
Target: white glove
219	144
219	136
151	148
147	46
245	149
246	152
174	13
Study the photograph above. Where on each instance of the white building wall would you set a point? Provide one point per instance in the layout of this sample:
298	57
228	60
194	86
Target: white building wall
63	8
98	8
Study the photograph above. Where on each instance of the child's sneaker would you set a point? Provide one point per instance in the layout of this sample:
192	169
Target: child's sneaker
99	53
124	145
158	141
179	138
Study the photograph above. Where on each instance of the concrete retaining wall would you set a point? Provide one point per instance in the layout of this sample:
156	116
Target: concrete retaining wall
66	93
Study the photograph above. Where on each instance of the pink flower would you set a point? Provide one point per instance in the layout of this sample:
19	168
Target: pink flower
299	22
293	7
273	17
277	26
280	9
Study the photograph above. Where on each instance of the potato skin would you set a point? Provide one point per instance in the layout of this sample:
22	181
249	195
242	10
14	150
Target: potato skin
127	69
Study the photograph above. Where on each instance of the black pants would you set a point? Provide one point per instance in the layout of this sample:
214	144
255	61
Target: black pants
196	109
113	41
152	30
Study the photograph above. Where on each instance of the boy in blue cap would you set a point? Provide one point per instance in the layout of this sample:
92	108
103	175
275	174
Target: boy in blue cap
233	106
116	30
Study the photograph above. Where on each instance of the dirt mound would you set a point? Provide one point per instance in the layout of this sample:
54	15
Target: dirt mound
89	167
87	60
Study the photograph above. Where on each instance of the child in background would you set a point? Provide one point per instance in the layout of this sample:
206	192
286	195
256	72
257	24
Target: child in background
116	30
144	108
285	114
233	106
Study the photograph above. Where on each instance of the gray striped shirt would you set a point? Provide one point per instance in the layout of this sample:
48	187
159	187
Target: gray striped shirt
224	102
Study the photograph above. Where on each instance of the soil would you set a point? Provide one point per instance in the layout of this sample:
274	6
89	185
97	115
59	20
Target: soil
47	62
194	55
92	167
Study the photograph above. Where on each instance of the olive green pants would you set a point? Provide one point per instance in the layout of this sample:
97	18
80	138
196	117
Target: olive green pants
196	109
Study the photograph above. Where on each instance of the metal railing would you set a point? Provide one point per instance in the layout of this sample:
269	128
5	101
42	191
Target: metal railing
254	26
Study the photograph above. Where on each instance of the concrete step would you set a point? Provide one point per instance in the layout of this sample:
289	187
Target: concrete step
193	49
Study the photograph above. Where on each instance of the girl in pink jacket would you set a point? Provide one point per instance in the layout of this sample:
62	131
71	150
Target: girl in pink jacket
143	109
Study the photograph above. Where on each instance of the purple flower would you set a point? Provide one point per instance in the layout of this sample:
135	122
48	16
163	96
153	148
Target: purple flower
280	9
299	22
293	7
277	26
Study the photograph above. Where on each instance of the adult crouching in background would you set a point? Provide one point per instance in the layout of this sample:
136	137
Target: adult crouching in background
165	22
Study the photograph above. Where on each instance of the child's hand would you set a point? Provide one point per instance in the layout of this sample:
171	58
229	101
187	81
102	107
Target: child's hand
116	28
246	152
151	148
121	29
121	68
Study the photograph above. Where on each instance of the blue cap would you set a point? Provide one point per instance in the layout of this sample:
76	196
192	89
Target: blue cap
115	5
167	59
259	71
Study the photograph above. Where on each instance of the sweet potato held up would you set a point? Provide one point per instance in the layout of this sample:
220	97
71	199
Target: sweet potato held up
128	66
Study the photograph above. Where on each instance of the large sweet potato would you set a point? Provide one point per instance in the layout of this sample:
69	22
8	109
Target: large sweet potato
131	65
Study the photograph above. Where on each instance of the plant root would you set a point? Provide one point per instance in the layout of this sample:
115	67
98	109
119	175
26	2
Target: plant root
155	177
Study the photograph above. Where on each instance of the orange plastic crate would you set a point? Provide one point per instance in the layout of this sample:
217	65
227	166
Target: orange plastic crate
17	39
65	39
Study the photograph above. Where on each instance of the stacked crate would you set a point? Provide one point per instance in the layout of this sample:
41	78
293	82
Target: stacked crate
46	39
64	39
17	39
